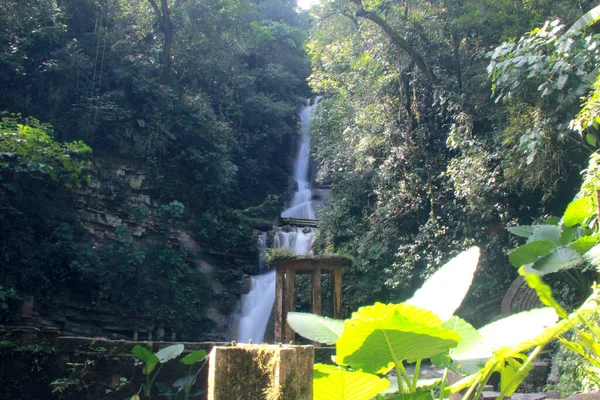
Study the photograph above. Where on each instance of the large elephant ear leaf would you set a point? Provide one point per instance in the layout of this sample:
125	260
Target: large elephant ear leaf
453	280
586	19
316	328
169	353
336	383
377	336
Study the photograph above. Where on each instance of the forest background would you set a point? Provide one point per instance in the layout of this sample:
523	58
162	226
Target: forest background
423	161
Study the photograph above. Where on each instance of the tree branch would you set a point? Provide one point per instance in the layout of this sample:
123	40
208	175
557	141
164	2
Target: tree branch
397	40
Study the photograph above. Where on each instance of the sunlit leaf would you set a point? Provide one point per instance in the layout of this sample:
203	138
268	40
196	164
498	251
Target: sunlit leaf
587	19
377	336
315	327
549	233
336	383
194	357
453	279
543	291
530	252
522	230
584	244
578	211
150	360
512	374
563	258
169	353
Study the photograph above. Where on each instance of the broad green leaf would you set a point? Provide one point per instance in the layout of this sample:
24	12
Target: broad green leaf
150	360
315	327
543	291
378	336
425	395
530	252
184	380
591	139
336	383
587	19
194	357
511	375
522	230
588	341
563	258
512	335
551	221
578	211
549	233
584	244
579	349
453	279
169	353
568	234
593	255
469	336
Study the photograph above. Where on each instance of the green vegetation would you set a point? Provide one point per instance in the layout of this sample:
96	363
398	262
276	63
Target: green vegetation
201	97
151	360
379	338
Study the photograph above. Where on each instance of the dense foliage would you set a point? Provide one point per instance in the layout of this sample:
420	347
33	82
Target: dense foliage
421	161
201	95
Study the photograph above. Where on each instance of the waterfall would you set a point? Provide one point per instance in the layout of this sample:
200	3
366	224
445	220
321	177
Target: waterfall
256	306
301	206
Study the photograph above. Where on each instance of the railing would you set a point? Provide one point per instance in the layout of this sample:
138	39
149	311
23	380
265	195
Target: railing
300	222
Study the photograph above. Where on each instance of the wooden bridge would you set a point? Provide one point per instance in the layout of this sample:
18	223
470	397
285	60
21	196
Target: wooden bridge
300	222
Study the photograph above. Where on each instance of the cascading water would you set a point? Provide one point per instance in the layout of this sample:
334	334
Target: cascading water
256	306
301	206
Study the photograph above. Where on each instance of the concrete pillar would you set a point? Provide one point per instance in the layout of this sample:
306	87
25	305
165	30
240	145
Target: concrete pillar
258	372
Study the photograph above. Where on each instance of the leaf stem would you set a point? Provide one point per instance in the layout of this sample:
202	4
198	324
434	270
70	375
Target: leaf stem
416	374
529	360
443	383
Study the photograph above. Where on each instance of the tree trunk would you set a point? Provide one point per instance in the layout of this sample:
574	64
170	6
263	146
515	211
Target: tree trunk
398	41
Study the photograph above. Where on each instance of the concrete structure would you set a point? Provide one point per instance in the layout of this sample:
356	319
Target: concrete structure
261	372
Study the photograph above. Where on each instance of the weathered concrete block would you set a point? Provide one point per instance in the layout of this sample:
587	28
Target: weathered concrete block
266	372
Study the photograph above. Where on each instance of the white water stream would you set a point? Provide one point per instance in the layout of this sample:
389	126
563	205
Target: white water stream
301	206
256	306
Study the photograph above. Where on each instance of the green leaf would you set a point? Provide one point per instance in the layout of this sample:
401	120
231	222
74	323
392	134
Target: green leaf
589	342
522	230
512	334
184	381
591	139
593	255
194	357
378	336
587	19
563	258
543	291
453	279
530	252
426	395
469	336
511	376
584	244
169	353
336	383
549	233
315	327
578	211
150	360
